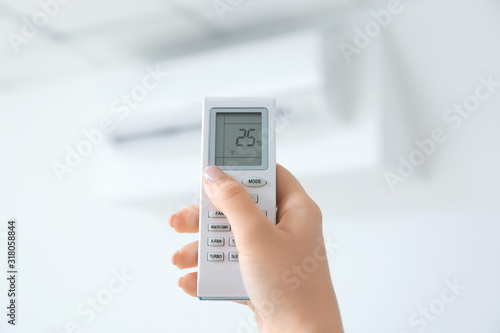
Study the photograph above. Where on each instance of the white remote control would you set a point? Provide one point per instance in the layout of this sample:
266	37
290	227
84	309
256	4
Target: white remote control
238	136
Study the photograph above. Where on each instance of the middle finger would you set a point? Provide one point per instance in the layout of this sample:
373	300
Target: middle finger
187	256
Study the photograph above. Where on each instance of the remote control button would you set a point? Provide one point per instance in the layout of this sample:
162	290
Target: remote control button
232	242
212	256
233	256
254	182
215	214
264	212
219	227
255	197
219	241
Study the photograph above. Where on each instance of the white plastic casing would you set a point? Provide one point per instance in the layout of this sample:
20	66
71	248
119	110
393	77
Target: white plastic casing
221	280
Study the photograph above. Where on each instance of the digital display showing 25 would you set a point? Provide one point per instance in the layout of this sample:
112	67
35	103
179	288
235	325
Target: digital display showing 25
238	139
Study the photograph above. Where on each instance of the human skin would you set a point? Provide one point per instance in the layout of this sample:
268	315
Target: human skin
284	266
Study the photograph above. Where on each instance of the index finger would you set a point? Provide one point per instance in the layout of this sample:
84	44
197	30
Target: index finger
186	220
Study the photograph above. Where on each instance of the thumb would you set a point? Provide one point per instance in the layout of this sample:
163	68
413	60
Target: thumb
231	198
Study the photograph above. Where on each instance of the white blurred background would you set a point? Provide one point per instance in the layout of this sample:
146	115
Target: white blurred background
344	122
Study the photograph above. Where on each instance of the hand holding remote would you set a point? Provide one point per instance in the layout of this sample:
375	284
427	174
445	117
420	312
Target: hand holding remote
285	297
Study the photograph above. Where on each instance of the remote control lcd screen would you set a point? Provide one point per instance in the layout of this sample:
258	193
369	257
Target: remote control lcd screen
238	139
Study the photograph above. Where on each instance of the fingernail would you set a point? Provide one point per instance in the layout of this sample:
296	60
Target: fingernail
180	281
213	174
171	221
172	260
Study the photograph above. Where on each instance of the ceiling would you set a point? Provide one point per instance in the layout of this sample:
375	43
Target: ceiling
91	34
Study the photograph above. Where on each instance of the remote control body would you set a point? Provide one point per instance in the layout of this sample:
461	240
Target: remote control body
238	136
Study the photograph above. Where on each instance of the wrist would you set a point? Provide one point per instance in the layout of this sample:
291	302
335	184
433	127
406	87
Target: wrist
304	319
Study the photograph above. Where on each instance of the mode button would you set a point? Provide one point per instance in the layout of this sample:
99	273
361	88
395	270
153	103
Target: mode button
254	182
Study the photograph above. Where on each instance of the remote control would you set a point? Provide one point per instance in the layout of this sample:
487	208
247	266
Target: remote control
238	136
